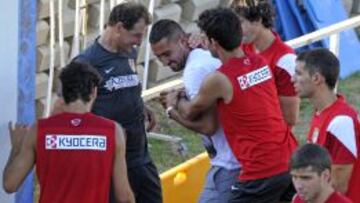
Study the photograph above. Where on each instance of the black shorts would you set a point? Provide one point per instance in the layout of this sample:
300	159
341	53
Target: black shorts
269	190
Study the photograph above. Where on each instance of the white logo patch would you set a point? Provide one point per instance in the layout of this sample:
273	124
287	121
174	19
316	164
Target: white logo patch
255	77
107	71
75	142
124	81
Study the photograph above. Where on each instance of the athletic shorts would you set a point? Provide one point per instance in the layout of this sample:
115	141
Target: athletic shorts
273	189
217	188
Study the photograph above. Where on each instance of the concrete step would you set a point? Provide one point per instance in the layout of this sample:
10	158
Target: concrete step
169	11
43	56
41	82
42	32
192	8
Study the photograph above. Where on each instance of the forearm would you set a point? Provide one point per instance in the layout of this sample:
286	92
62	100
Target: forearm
9	184
129	197
290	109
186	109
202	125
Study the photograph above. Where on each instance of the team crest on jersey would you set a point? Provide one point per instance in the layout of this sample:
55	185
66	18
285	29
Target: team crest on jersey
247	61
75	142
75	121
255	77
315	135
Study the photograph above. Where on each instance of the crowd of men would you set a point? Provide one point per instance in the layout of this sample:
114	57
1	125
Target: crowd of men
242	93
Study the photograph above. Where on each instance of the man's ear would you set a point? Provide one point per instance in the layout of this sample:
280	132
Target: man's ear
184	39
318	78
326	175
214	43
94	93
119	26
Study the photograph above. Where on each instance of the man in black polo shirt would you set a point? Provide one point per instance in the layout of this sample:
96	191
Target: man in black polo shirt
119	95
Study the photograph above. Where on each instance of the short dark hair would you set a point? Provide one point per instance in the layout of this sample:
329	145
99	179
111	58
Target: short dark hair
323	61
311	155
255	11
222	25
165	29
78	80
129	14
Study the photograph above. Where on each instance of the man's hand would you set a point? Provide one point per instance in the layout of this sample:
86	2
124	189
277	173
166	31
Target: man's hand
150	119
172	99
17	135
196	41
162	98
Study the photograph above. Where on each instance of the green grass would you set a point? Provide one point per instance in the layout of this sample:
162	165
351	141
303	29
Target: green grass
165	158
161	151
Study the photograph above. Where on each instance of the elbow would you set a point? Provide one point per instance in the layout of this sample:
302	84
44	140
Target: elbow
209	130
9	188
188	115
128	198
291	118
124	200
291	121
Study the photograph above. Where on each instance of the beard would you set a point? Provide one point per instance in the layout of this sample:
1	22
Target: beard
214	53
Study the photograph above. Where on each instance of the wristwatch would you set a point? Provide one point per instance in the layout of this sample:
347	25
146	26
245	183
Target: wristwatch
167	111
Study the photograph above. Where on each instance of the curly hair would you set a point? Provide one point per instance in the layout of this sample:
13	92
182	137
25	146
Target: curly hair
222	25
78	80
129	13
255	10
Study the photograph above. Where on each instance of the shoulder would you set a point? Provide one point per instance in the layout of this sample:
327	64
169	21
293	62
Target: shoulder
102	121
281	46
87	56
92	54
337	197
256	60
342	115
217	79
343	128
199	64
287	61
282	52
202	58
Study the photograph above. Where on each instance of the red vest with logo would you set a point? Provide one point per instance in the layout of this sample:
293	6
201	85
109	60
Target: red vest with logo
252	121
337	128
74	158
